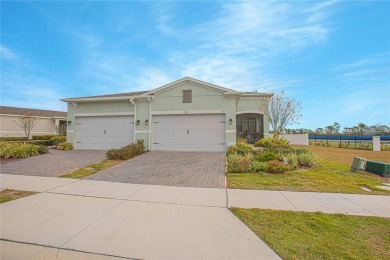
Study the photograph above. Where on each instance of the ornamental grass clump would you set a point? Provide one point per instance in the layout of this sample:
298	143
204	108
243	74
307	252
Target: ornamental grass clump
65	146
17	150
240	148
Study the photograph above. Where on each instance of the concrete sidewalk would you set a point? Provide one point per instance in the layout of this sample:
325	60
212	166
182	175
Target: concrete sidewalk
108	219
351	204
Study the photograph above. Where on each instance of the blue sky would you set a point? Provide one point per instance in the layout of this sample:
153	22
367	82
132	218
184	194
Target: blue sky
332	56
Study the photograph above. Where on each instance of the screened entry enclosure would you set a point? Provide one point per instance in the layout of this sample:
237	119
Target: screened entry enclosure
250	126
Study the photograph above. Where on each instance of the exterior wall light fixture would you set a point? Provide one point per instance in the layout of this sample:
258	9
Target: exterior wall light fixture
230	121
69	122
146	122
138	122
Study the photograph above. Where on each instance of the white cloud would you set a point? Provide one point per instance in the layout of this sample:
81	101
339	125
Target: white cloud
7	54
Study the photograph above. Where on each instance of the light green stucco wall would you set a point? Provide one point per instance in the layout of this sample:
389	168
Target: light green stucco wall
203	99
94	107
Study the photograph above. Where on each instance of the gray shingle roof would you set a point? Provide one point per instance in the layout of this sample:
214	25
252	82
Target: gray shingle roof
29	111
116	95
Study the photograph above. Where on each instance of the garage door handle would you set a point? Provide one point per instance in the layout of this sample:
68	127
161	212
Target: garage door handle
188	132
104	131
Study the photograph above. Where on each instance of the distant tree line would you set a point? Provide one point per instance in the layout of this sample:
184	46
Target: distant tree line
359	129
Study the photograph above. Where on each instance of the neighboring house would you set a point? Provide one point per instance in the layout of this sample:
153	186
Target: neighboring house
185	115
49	122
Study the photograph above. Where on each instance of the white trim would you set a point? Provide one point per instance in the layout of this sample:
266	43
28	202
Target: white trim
188	79
250	112
142	132
231	131
104	114
257	94
48	117
188	112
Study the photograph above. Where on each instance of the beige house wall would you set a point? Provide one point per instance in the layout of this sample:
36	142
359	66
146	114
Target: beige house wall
9	128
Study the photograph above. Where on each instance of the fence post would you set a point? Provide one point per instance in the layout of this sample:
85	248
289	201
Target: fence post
315	140
355	141
340	141
327	140
376	143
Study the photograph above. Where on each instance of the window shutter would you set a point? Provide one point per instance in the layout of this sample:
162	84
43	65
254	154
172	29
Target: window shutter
187	96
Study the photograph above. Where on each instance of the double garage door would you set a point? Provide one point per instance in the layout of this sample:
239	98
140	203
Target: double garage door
170	132
189	132
104	132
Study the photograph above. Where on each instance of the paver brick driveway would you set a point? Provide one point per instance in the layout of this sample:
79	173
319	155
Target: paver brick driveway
53	164
188	169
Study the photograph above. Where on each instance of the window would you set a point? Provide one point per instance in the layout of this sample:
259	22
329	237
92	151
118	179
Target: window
187	96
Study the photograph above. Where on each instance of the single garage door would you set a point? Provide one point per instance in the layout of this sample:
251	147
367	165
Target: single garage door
104	132
189	132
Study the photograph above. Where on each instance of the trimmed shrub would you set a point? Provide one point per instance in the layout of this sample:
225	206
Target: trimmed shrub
240	148
241	140
17	150
272	142
117	154
265	156
126	152
43	137
257	166
65	146
42	142
42	149
238	163
276	167
58	139
6	139
231	149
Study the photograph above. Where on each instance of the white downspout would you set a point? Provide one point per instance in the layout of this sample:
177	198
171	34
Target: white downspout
135	116
150	123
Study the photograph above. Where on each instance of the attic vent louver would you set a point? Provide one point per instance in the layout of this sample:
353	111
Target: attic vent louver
187	96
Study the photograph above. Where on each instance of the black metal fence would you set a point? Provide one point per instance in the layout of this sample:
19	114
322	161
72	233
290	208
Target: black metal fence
351	142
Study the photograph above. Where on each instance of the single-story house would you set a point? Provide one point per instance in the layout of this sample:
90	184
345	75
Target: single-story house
48	122
185	115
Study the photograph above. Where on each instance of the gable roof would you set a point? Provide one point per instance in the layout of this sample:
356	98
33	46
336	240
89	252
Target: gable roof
146	94
126	94
29	111
192	80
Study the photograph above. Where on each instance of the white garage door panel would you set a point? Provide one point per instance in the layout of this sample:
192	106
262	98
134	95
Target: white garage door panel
189	132
102	133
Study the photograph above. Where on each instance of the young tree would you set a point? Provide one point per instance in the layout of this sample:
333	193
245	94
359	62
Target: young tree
336	126
280	111
27	123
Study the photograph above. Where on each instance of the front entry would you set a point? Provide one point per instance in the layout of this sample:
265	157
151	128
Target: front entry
189	132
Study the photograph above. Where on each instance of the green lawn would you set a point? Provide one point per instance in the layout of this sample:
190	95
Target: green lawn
298	235
329	176
91	169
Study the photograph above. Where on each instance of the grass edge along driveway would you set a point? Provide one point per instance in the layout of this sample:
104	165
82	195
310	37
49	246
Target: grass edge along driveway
301	235
91	169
